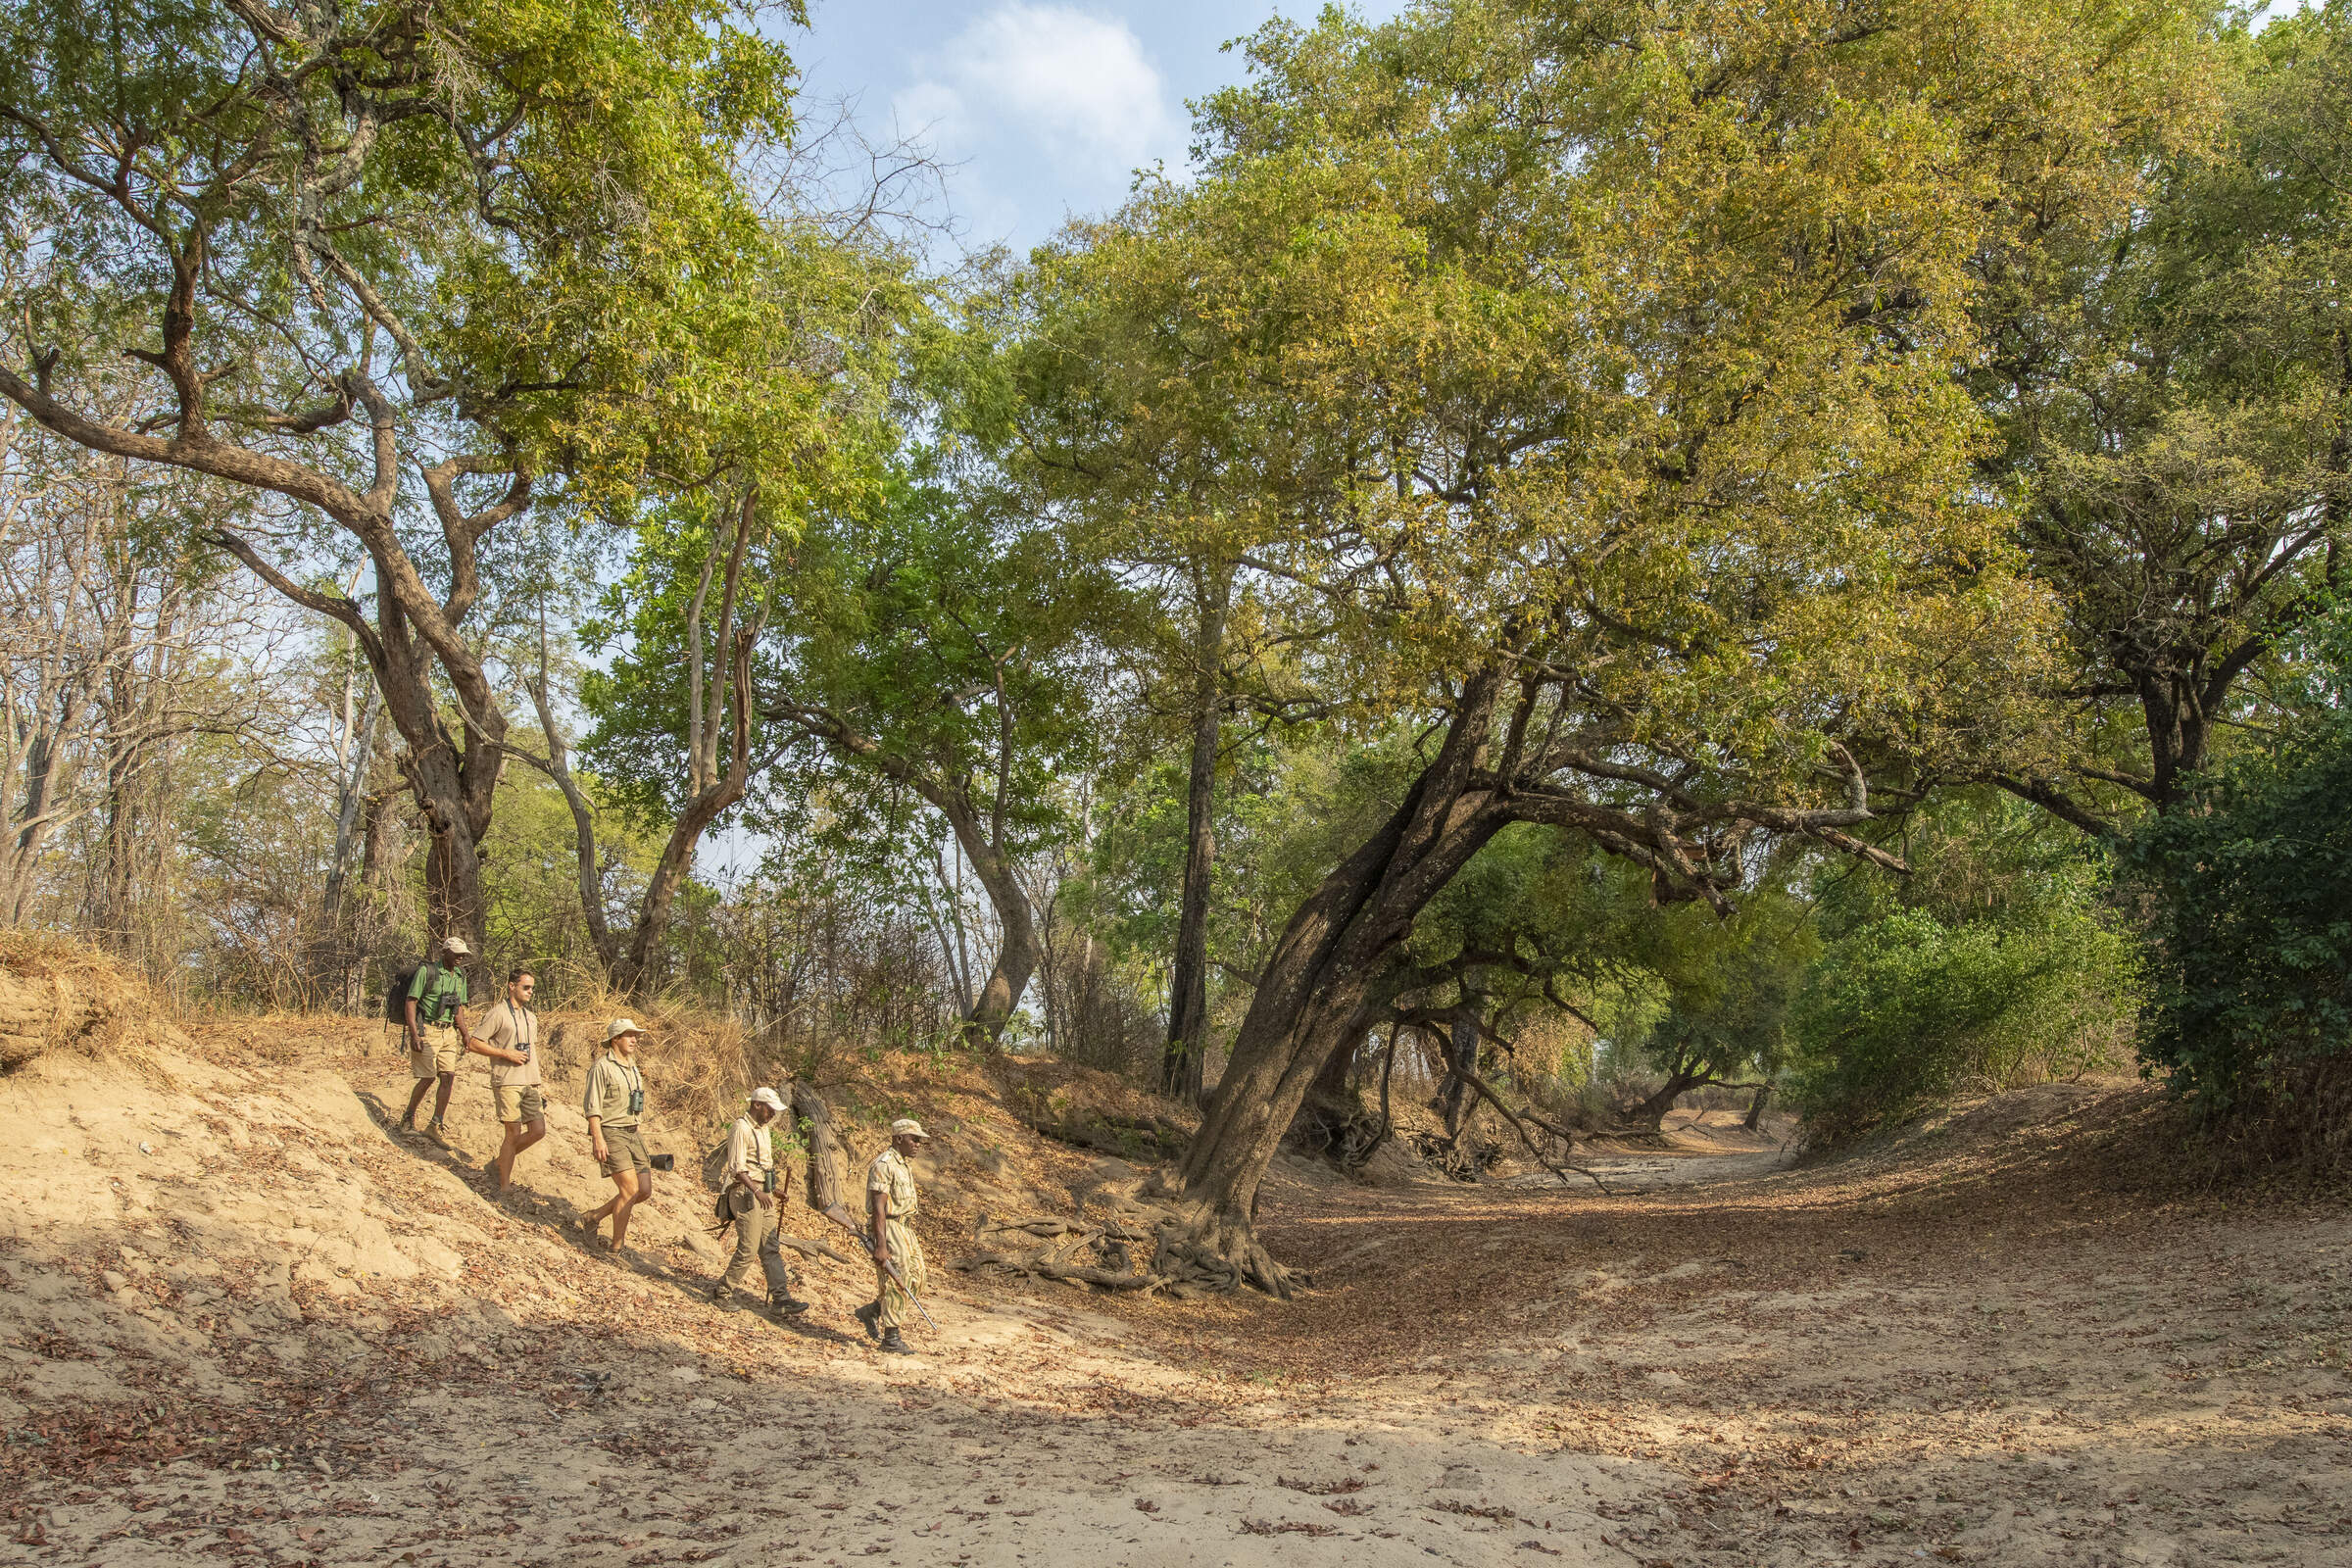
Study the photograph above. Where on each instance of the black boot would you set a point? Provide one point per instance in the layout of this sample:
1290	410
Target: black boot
785	1305
893	1345
866	1315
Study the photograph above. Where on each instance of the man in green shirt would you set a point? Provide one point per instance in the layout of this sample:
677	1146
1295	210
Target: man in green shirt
436	1010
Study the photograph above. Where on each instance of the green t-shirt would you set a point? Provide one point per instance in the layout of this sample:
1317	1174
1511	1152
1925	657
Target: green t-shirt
438	992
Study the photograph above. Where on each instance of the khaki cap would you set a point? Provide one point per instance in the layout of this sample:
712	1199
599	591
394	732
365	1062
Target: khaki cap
456	945
907	1127
620	1027
767	1098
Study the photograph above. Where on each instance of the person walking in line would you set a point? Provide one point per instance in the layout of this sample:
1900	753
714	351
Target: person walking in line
437	1027
751	1197
890	1202
509	1038
614	1103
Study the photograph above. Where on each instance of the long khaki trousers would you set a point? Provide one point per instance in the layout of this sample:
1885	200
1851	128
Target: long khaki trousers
908	1254
755	1238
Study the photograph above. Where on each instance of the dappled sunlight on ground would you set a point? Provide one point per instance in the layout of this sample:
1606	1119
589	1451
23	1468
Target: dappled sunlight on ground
244	1317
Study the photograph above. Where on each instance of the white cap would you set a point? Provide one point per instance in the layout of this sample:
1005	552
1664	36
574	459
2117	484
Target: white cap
620	1027
907	1127
457	945
768	1097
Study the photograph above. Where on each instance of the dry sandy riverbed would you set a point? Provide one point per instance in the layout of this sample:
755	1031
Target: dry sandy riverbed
1984	1346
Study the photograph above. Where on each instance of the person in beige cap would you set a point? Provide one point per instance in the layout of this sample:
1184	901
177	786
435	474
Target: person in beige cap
751	1197
890	1202
437	1026
615	1103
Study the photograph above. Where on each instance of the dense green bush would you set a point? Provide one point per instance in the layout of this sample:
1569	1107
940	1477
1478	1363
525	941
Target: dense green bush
1997	963
2249	895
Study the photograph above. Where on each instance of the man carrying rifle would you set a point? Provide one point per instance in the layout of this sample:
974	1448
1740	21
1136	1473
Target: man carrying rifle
889	1202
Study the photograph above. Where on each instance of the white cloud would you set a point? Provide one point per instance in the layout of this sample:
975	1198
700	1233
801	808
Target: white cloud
1076	86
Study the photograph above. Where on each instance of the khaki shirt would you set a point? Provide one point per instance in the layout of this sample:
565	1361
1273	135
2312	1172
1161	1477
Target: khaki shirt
888	1174
512	1028
751	1153
610	1086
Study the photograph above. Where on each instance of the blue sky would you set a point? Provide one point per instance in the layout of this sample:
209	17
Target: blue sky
1043	106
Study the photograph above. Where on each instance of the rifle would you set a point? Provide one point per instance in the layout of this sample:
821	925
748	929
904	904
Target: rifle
895	1272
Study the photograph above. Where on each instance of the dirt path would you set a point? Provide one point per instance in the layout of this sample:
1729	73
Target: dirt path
1983	1348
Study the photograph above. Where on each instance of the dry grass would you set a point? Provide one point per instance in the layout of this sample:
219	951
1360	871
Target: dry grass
70	996
699	1066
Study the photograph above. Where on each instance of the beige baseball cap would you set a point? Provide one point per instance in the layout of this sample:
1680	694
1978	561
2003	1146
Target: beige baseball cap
620	1027
769	1098
907	1127
456	945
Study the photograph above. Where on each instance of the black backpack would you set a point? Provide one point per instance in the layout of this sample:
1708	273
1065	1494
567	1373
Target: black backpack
396	995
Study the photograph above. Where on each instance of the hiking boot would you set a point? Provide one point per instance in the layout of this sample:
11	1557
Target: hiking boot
866	1315
725	1301
893	1345
787	1305
434	1134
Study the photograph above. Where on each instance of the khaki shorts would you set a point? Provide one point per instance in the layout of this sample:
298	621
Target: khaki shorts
625	1151
441	1053
520	1102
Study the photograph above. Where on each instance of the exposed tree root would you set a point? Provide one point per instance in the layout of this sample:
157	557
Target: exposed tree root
1072	1274
1459	1159
1338	1130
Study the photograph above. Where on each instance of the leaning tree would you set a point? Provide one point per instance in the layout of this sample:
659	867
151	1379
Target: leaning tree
1638	329
405	266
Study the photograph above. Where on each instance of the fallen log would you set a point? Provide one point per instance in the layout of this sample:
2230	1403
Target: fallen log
1179	1268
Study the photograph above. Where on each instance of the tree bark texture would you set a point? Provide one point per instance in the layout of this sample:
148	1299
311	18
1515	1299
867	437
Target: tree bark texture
828	1164
1650	1114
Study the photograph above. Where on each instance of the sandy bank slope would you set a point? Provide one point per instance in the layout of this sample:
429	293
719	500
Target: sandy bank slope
241	1316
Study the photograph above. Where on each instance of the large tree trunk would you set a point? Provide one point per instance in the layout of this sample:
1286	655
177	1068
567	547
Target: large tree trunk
1461	1066
1650	1114
1016	950
1180	1075
453	780
1311	997
353	778
1318	991
828	1165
